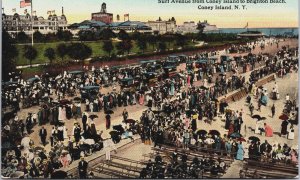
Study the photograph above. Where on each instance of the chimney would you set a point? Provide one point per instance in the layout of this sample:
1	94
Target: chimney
62	10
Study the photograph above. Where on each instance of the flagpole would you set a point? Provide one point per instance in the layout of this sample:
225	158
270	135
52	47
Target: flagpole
31	23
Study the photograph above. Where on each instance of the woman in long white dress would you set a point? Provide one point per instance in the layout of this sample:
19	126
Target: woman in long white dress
291	134
246	150
258	125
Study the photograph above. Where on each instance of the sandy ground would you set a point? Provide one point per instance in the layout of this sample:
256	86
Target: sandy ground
136	111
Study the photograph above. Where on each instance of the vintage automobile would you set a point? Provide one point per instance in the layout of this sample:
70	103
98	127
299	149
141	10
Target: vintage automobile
169	71
201	63
77	73
89	92
225	59
151	78
32	80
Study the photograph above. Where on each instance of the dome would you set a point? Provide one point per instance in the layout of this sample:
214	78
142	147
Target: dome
63	17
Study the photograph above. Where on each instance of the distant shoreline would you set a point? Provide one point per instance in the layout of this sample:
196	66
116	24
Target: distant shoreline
265	28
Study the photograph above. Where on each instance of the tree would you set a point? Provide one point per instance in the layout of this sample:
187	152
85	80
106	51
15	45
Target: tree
108	47
162	46
22	37
123	35
9	53
30	53
127	45
87	36
152	40
38	36
62	51
142	43
79	51
120	48
50	54
64	35
181	40
106	34
200	27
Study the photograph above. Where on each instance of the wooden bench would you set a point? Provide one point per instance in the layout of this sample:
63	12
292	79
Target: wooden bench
114	172
125	166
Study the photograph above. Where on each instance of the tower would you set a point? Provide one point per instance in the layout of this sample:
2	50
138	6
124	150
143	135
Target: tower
62	10
103	8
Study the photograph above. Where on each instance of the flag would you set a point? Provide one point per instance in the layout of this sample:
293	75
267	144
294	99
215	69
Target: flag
14	10
48	12
25	11
24	3
246	26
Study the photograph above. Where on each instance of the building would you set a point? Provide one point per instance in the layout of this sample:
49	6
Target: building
162	27
130	26
187	27
17	23
102	16
208	27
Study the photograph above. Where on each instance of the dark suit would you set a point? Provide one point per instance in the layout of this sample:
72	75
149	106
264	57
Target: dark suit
84	120
43	135
82	168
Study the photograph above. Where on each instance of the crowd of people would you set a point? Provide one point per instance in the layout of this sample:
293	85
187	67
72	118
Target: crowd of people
171	118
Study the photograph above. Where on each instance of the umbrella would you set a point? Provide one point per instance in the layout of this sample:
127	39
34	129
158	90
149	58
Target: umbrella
236	135
258	117
109	111
114	133
77	99
214	132
201	132
203	87
254	138
241	139
59	175
93	116
130	121
64	102
156	111
284	117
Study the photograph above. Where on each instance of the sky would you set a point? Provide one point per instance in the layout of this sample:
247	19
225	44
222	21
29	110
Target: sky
259	15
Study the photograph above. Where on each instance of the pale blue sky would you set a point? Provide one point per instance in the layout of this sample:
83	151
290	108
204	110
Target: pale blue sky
265	15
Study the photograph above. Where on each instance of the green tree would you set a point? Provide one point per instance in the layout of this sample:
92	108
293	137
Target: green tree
106	34
142	43
108	47
64	35
152	40
9	53
79	51
62	51
38	36
30	53
22	37
120	48
123	35
181	41
162	46
127	45
87	36
50	54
